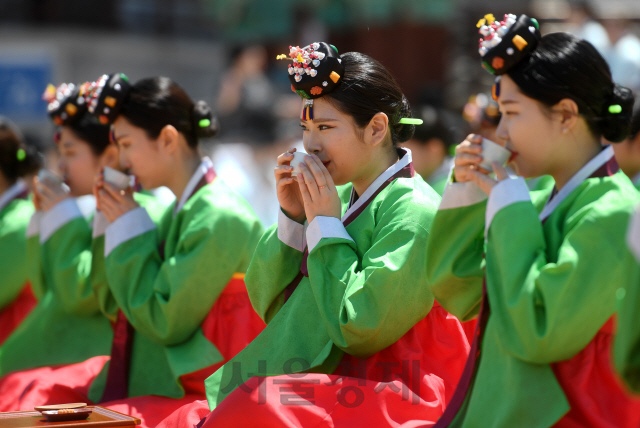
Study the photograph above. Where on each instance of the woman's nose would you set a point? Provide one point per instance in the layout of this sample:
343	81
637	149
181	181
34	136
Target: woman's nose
313	144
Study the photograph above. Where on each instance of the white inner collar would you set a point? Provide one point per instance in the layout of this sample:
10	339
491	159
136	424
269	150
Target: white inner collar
11	193
393	169
200	171
585	172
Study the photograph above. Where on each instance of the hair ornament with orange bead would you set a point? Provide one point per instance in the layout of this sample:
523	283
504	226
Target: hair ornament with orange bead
65	103
106	96
315	71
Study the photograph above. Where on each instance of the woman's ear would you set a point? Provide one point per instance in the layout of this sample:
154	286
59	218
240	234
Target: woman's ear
169	139
568	110
110	157
377	128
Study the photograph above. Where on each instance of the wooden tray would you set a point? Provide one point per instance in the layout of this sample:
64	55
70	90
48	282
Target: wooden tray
100	417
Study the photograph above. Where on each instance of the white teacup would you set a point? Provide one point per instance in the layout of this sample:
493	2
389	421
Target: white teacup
493	152
46	175
116	178
298	157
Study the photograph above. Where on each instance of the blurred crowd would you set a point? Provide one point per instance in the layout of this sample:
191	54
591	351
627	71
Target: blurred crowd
259	118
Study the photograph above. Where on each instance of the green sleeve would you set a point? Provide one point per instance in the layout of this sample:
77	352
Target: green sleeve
13	262
273	266
166	300
34	258
106	301
35	272
544	310
455	259
67	266
367	302
627	340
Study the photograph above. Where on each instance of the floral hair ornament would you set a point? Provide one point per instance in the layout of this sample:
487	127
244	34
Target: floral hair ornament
505	43
106	95
66	103
315	71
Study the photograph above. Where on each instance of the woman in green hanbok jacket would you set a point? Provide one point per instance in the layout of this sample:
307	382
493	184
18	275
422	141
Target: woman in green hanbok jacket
541	269
65	242
17	161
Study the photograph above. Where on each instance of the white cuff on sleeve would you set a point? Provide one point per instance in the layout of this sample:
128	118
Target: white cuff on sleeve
290	232
62	213
33	228
503	194
325	227
100	224
458	195
127	226
633	234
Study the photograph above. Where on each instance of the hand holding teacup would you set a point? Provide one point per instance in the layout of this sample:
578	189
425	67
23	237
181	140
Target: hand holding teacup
318	190
48	190
287	189
476	158
114	196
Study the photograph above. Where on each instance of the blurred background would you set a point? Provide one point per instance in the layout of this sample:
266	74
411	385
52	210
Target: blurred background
223	52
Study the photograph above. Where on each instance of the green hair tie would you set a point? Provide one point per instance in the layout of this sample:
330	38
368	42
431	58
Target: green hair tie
21	155
204	123
410	121
615	109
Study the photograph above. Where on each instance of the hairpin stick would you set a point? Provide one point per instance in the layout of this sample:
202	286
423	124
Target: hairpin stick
410	121
615	109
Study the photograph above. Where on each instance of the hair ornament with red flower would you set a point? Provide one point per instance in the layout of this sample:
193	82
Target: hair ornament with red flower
315	71
505	43
106	95
65	103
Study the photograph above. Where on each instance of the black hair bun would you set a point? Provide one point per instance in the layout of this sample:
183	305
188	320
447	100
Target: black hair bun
204	123
29	160
403	132
507	42
66	103
615	125
106	95
316	69
17	159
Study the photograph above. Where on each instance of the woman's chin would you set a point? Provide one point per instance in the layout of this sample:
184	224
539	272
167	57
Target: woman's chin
336	180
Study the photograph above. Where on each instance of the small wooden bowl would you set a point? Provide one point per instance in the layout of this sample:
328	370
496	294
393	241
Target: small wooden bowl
60	406
66	414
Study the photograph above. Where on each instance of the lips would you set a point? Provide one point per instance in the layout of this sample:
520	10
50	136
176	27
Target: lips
513	156
326	164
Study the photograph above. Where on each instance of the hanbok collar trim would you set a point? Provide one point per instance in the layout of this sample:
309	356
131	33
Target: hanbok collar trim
204	170
599	161
17	191
404	162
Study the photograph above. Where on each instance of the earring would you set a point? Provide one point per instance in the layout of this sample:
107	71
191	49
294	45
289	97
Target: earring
564	130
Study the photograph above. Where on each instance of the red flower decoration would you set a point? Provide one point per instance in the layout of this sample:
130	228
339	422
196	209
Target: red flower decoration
497	63
316	90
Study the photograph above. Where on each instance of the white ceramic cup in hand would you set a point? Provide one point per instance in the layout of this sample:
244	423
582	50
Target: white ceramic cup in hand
52	181
50	177
298	157
118	179
493	152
